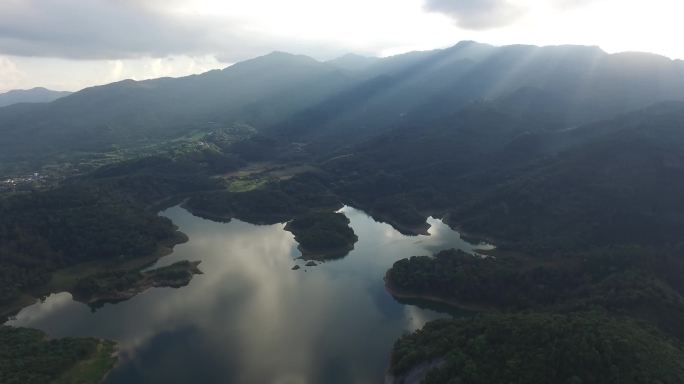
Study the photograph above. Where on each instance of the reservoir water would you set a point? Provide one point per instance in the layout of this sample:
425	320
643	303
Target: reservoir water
250	318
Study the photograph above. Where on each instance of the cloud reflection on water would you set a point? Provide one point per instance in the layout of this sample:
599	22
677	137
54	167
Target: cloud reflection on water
249	317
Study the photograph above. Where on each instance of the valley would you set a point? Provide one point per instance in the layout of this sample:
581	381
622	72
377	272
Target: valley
568	160
248	299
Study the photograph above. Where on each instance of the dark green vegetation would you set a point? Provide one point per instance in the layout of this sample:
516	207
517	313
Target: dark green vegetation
567	84
28	357
541	348
273	202
533	147
107	217
638	282
592	215
323	235
115	286
525	183
619	185
335	103
132	114
45	231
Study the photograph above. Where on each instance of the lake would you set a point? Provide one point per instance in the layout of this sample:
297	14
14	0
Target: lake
250	318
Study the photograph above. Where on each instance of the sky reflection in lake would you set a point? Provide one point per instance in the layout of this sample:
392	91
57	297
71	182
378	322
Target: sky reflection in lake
251	319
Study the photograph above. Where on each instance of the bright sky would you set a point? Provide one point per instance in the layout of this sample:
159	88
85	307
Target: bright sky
71	44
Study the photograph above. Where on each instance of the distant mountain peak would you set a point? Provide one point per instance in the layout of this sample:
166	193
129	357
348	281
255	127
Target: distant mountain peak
353	61
33	95
275	58
352	55
282	55
466	43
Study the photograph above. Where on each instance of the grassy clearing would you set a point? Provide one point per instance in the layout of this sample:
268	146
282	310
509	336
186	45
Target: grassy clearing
94	369
255	175
246	185
250	169
283	173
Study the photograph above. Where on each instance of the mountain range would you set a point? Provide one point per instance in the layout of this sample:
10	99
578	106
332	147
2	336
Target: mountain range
300	99
34	95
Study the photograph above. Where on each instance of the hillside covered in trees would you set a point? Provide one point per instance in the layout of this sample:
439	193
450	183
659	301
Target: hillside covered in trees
46	231
28	357
540	348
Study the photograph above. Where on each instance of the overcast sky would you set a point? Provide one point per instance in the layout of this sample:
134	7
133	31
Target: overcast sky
71	44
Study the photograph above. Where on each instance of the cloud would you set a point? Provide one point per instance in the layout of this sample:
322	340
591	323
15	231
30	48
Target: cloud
11	75
570	4
86	29
477	14
124	29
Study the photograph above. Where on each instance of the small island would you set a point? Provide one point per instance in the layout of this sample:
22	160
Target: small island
323	235
116	286
28	356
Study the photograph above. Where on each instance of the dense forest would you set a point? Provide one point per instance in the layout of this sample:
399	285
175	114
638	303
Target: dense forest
584	219
28	357
531	348
323	235
108	215
516	179
41	232
119	285
274	202
635	281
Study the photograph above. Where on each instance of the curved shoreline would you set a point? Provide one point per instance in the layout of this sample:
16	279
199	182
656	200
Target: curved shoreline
145	280
398	294
202	214
332	254
64	279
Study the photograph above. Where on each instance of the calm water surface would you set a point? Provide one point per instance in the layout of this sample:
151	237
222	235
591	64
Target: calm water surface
251	319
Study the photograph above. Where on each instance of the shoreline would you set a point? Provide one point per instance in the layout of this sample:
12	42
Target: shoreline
328	255
202	214
147	280
398	294
227	218
117	361
406	230
64	279
474	236
91	368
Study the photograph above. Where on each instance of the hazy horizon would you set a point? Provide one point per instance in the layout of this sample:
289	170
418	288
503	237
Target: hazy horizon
227	65
72	44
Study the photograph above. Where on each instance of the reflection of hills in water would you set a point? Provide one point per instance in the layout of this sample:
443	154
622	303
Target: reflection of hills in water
249	318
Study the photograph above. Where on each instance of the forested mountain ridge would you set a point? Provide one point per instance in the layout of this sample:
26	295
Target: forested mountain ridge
303	100
609	182
586	218
619	183
34	95
130	113
572	84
